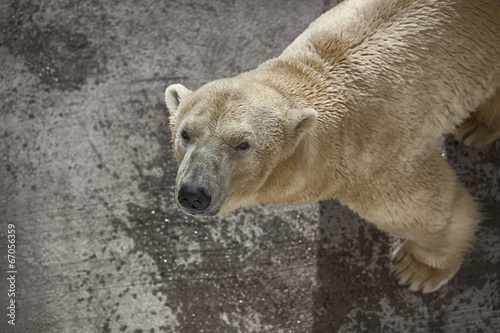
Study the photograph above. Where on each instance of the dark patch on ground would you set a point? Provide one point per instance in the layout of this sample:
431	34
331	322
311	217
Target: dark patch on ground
59	57
226	281
221	282
345	281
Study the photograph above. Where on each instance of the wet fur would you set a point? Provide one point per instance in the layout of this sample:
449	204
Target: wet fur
353	110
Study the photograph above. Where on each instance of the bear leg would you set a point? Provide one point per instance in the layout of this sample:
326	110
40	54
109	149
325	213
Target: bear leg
483	127
428	261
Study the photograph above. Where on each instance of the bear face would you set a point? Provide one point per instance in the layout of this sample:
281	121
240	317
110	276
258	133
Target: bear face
228	145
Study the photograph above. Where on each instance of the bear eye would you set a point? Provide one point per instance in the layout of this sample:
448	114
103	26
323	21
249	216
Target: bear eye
185	135
243	146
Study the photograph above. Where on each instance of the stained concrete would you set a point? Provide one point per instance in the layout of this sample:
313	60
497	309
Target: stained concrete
87	175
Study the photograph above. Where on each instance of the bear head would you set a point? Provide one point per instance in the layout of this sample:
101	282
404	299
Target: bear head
228	137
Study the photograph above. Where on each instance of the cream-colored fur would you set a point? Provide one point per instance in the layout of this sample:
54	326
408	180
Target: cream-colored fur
353	109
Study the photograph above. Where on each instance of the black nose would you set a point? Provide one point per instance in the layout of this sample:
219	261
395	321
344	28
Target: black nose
194	197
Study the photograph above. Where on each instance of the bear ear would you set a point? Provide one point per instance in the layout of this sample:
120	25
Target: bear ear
173	96
301	121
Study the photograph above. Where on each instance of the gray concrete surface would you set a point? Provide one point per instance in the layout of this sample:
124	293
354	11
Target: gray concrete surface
87	174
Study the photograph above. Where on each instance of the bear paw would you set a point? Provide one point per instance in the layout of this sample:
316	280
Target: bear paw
417	275
475	133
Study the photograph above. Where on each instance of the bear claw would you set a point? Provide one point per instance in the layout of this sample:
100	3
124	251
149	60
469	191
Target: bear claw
416	275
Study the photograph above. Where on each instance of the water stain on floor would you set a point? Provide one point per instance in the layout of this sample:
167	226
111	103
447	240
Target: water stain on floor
59	57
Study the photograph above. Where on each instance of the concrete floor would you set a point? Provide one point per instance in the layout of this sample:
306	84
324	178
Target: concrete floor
87	175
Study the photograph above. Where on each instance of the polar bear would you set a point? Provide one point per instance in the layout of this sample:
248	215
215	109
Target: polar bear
353	109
